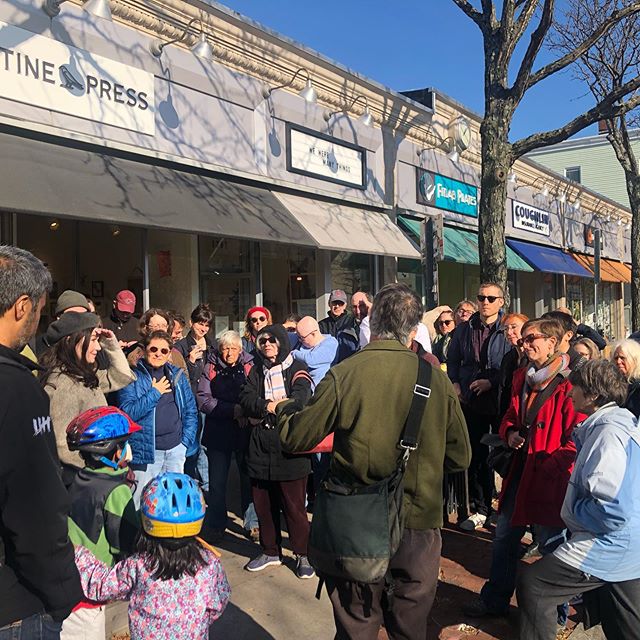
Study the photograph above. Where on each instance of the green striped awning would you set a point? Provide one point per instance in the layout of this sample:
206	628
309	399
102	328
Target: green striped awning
462	246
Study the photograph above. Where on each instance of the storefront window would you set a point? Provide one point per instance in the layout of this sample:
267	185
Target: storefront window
410	273
95	259
227	280
351	272
288	280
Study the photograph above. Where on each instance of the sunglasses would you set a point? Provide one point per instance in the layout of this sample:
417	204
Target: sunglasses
269	340
291	329
446	323
162	350
531	338
337	303
490	299
258	319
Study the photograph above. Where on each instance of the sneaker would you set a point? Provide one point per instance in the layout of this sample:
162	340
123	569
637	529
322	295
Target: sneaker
262	562
303	569
473	522
478	609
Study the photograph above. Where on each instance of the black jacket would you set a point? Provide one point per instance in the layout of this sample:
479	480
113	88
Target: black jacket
633	398
185	346
464	367
333	326
38	572
265	459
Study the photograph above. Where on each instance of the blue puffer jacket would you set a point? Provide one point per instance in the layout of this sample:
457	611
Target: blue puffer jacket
601	508
139	400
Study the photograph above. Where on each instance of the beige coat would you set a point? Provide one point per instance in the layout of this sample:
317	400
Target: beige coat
68	397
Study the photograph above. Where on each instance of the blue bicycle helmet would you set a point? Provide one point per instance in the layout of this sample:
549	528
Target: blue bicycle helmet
172	506
99	430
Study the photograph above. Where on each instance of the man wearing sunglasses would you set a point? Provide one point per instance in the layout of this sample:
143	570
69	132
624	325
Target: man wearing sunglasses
473	365
341	325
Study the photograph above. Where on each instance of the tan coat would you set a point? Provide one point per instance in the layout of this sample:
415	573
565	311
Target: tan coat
68	397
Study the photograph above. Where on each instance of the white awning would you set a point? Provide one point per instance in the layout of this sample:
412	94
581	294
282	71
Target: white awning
340	227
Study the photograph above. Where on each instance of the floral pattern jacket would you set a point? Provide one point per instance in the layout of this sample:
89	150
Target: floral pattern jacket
158	609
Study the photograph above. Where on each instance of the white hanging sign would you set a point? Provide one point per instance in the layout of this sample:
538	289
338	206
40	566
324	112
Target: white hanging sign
52	75
530	218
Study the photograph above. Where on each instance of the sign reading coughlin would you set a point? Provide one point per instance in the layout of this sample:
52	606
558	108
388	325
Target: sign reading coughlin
530	218
52	75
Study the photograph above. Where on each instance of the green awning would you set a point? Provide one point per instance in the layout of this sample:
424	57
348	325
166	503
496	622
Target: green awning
462	246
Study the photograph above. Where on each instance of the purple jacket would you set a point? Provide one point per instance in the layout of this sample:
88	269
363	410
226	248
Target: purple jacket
218	394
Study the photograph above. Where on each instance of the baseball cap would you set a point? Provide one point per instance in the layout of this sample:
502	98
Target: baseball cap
338	295
68	299
126	301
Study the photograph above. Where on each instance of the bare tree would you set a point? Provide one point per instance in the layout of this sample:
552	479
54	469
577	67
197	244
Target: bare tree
611	62
501	35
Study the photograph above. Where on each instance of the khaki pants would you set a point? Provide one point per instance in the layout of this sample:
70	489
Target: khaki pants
358	609
85	624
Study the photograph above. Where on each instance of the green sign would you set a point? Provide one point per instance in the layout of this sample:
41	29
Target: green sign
446	193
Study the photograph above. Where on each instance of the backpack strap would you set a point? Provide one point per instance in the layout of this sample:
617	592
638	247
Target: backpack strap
421	394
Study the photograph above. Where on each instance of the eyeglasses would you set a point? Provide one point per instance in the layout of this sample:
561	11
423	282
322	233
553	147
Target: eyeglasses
464	312
258	319
446	323
308	334
490	299
162	350
531	338
270	340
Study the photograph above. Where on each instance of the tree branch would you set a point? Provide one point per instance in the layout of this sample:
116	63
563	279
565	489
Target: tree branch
471	12
583	47
535	43
605	109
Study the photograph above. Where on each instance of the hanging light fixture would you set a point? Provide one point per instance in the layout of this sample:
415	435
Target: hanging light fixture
577	204
308	93
366	119
115	231
98	8
448	145
512	177
202	48
54	225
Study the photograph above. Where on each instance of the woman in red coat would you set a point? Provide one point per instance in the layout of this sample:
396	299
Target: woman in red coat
538	426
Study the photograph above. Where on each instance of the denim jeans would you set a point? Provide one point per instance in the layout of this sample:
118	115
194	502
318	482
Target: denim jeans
169	460
197	464
36	627
219	464
505	556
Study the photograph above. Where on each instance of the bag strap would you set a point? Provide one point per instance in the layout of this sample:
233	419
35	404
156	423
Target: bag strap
532	412
421	394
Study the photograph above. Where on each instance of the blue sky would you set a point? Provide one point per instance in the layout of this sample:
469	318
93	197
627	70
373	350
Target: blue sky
410	45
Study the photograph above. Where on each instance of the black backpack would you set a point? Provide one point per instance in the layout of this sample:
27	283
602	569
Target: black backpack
356	530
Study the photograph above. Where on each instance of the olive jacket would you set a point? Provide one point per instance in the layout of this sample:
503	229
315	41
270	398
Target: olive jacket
365	401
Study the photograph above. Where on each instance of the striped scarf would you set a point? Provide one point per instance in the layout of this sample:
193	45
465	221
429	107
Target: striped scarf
537	380
274	388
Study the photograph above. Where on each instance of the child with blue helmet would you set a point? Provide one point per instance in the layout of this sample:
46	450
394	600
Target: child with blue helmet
102	515
175	584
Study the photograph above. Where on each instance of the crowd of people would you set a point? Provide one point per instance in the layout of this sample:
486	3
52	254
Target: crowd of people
117	436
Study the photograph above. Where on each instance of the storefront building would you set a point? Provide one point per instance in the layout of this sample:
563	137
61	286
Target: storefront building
189	179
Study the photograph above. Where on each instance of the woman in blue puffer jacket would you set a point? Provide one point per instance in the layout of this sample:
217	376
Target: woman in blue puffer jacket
160	400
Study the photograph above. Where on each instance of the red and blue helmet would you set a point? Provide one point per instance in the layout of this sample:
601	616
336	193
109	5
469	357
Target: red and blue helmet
99	430
172	506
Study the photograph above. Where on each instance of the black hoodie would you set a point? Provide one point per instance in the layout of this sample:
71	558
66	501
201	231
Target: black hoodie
37	572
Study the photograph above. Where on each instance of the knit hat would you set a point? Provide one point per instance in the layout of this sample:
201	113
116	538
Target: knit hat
69	323
68	299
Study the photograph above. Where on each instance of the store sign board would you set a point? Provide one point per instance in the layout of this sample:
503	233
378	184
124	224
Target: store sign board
314	154
446	193
530	218
52	75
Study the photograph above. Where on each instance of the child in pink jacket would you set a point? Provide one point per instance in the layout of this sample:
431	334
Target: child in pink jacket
175	584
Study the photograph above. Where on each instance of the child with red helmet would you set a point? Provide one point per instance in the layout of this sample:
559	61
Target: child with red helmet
102	516
175	584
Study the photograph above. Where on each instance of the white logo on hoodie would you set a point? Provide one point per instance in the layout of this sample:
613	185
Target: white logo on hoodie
41	425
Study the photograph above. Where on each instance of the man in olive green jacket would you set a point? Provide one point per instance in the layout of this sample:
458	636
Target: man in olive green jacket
365	401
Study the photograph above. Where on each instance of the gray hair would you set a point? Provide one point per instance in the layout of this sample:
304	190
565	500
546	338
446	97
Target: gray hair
395	313
21	274
602	380
631	351
230	337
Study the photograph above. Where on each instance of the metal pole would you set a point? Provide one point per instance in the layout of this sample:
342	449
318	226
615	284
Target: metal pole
145	270
596	274
429	263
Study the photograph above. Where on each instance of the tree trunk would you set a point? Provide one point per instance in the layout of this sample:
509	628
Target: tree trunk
633	190
496	163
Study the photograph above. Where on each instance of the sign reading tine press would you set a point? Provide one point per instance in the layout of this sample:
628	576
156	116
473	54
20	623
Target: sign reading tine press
52	75
530	218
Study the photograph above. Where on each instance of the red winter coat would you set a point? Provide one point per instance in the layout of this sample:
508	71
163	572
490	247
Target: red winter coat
550	455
